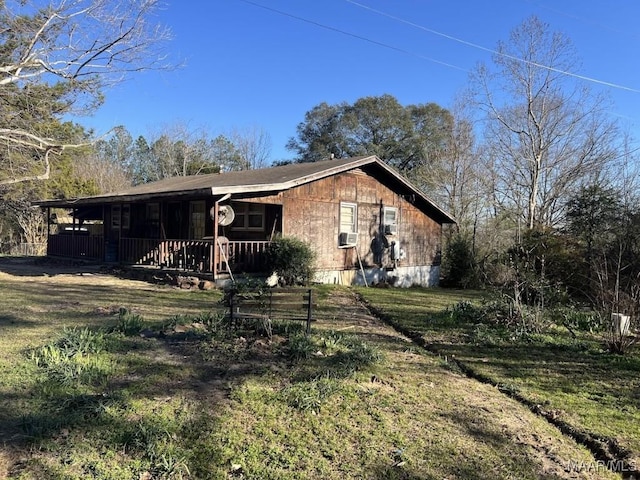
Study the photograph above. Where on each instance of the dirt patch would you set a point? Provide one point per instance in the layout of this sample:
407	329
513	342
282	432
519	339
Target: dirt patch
51	272
45	267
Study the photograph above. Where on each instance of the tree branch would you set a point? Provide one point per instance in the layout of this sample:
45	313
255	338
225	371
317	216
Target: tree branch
43	176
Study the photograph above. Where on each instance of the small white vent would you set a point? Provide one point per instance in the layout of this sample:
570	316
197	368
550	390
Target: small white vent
347	239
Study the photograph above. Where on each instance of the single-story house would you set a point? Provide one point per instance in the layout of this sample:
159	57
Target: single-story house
364	220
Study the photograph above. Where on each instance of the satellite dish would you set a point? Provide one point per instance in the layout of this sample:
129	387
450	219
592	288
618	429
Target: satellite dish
225	215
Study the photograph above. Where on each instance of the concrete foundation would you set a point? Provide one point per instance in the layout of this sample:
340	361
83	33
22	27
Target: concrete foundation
405	277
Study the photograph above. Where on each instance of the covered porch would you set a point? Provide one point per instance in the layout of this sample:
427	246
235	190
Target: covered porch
211	235
201	256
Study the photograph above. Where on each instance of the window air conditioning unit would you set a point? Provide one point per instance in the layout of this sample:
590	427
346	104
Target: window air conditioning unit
390	229
347	239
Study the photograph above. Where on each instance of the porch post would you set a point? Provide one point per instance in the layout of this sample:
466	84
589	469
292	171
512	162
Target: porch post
120	235
48	229
104	233
216	247
162	232
213	257
73	233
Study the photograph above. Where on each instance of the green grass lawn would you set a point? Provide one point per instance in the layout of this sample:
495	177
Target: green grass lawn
575	379
167	390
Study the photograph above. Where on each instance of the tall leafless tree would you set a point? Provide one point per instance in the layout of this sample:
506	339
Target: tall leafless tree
546	132
451	175
179	150
254	145
107	174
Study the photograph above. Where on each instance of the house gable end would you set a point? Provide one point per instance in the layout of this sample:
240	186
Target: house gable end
314	213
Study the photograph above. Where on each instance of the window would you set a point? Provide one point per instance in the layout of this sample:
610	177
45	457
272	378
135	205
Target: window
348	217
152	227
197	216
249	216
120	216
390	220
153	212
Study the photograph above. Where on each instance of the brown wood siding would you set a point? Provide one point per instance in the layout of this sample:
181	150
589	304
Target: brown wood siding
311	212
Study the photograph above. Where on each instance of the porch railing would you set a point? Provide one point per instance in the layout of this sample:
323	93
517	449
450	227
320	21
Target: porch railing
191	255
194	255
187	255
243	256
81	247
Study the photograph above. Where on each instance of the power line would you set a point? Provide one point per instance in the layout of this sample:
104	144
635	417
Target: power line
495	52
353	35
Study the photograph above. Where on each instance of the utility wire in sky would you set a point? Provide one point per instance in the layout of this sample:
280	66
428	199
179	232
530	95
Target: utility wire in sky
359	37
495	52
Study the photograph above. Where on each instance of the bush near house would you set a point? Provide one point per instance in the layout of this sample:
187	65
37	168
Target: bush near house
293	260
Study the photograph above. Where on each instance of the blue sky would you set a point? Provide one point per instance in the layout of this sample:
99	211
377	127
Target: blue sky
247	66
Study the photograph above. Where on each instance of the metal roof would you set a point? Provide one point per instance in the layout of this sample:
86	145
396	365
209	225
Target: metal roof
273	179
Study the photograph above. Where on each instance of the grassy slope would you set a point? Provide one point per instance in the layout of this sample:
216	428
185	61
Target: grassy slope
590	389
361	402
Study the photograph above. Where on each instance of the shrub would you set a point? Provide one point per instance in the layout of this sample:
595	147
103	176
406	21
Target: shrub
459	269
574	318
498	317
292	259
464	312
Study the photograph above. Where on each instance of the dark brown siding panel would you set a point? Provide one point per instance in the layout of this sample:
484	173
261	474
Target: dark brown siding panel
311	212
421	235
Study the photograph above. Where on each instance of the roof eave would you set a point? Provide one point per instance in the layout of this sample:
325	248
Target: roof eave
211	191
124	198
446	217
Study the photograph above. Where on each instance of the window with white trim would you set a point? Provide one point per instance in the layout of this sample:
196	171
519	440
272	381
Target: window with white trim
348	217
249	216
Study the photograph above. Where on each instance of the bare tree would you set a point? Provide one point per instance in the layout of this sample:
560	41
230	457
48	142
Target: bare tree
177	151
57	57
546	132
254	145
626	175
107	174
30	220
451	175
